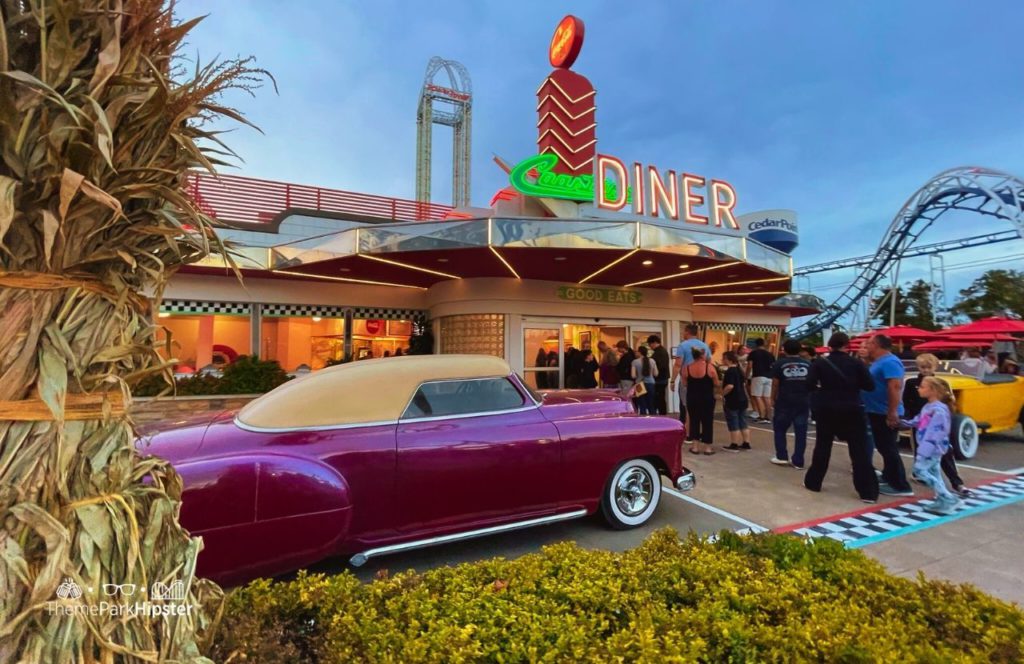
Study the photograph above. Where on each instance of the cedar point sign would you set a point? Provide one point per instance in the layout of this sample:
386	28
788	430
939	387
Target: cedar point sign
568	164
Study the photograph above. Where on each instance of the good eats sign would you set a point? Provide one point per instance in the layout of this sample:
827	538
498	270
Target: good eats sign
606	295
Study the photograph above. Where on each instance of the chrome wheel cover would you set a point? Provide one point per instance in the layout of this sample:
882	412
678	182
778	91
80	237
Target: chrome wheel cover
634	491
968	438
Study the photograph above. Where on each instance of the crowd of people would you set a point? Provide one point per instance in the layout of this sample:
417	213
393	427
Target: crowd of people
861	399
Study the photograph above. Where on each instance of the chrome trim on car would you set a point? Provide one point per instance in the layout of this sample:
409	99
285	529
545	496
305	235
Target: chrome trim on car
361	558
686	482
322	427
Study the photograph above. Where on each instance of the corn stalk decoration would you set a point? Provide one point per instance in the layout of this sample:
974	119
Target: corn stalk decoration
98	124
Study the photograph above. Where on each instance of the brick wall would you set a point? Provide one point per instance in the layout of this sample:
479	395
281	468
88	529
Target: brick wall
148	410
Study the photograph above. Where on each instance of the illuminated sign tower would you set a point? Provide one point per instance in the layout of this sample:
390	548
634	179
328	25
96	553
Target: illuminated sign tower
567	124
450	105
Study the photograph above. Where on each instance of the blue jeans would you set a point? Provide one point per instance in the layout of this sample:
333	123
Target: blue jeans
927	469
645	403
786	415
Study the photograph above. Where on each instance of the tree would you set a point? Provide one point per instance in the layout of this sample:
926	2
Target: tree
920	312
913	306
995	293
881	306
98	127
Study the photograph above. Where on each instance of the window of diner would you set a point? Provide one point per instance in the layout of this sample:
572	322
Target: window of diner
202	340
376	337
769	334
721	339
297	342
541	358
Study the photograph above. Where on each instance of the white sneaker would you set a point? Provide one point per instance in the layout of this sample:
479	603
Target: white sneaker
780	462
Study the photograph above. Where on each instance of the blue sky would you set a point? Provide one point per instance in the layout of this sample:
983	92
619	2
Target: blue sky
839	110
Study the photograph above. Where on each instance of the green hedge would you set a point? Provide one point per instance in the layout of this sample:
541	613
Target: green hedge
246	375
768	598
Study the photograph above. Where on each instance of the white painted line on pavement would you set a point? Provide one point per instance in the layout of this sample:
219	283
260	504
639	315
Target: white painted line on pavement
720	512
959	464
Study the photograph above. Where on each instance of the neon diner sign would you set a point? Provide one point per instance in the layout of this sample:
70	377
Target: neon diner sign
535	176
670	196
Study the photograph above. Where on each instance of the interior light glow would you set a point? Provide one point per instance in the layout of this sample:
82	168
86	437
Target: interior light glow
507	264
345	279
648	262
410	267
680	274
683	266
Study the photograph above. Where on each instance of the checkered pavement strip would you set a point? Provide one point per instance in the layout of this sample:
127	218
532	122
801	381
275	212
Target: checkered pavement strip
882	522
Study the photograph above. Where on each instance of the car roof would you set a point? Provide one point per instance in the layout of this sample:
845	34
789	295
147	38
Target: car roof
361	392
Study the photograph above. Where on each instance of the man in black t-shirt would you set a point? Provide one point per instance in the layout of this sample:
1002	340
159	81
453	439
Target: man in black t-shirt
734	402
759	371
661	359
792	404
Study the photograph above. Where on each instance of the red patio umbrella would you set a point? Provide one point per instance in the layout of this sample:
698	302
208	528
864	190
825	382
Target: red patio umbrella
963	341
991	325
903	333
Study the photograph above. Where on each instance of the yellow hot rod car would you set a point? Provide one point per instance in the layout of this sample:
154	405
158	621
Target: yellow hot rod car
983	405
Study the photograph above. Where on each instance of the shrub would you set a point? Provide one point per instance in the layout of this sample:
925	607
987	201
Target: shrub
246	375
772	598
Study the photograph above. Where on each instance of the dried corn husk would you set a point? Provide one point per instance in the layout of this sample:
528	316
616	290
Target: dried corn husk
97	130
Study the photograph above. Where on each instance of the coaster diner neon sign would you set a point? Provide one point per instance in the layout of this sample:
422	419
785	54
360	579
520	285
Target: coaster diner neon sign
656	195
535	176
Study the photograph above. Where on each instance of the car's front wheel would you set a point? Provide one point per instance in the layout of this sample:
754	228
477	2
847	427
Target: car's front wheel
964	437
631	495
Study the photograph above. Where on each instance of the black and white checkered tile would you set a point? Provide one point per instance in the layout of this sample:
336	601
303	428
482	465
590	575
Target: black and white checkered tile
204	307
303	310
372	313
724	327
763	328
888	521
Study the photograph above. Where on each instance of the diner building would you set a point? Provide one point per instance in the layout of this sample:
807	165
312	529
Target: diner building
579	248
328	275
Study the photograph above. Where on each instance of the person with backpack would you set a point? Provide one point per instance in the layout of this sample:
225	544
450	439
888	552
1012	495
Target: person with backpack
835	382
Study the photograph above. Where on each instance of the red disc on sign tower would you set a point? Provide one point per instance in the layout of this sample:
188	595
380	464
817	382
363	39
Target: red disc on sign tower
566	42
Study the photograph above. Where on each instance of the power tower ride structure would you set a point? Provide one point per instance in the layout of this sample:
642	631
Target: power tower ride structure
450	105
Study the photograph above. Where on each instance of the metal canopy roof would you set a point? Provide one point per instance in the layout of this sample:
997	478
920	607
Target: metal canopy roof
716	268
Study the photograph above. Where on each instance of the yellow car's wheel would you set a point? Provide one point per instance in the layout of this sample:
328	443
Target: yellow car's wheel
964	437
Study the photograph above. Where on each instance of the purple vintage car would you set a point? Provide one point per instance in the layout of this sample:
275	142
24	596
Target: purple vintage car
376	457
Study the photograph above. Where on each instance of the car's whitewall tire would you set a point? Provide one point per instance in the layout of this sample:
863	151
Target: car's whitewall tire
632	494
964	436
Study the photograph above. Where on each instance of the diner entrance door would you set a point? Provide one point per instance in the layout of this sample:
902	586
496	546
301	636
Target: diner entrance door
552	350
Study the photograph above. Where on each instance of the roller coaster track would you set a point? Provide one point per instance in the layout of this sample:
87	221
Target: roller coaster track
971	189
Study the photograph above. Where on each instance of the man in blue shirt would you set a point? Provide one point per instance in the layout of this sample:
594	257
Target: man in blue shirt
684	357
884	408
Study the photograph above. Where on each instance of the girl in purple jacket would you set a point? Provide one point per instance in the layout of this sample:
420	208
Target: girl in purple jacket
933	426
